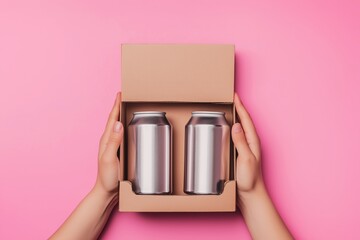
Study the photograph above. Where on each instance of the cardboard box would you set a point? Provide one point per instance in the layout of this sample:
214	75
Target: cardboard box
177	79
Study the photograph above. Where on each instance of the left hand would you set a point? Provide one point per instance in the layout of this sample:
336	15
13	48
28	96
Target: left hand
90	216
108	162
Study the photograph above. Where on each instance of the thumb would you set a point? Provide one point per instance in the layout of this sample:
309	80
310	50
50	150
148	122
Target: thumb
239	139
114	140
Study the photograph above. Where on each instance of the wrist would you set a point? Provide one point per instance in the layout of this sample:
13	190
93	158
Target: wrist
103	194
257	192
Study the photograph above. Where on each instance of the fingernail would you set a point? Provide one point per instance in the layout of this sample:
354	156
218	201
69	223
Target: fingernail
237	128
117	126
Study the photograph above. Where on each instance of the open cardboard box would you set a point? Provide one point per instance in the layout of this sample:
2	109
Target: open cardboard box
177	79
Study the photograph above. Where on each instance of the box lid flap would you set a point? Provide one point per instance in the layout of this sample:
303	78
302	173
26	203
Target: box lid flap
177	72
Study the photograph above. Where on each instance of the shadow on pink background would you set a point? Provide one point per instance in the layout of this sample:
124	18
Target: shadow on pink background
297	71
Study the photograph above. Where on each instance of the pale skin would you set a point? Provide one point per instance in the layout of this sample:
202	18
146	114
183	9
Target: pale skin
253	200
260	215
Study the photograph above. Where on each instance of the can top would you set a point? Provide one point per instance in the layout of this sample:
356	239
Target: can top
213	119
150	113
156	118
208	113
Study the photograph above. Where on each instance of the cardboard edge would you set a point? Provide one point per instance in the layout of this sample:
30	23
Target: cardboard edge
235	120
131	202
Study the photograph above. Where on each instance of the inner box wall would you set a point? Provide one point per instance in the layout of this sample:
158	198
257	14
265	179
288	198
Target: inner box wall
178	115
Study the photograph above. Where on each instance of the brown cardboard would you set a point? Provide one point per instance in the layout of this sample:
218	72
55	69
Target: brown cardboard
177	73
138	96
177	203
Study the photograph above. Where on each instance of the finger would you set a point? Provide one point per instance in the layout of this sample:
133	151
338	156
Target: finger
248	127
113	117
113	144
108	163
239	139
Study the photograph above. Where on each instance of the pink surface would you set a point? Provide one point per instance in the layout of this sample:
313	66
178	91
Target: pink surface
297	71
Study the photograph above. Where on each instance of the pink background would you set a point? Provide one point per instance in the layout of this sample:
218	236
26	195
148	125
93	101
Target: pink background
297	71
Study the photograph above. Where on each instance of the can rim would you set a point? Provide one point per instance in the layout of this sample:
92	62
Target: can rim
149	112
207	113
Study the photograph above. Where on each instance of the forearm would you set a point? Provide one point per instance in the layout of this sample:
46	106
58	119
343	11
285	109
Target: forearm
89	217
260	215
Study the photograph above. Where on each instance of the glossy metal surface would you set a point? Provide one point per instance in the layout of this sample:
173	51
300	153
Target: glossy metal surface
149	139
207	139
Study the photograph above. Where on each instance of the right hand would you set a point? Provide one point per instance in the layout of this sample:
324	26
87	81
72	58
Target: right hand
247	143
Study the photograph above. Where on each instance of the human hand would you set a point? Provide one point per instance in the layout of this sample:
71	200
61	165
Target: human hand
247	143
108	162
91	215
255	204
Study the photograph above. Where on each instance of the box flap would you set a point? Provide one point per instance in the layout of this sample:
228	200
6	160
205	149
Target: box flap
177	72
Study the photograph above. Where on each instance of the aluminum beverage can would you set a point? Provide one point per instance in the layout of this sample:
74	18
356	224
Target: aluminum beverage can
150	153
207	139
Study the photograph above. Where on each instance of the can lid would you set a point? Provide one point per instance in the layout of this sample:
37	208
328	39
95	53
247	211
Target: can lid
150	113
208	113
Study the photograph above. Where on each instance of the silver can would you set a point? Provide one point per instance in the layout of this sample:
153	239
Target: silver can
150	153
207	139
